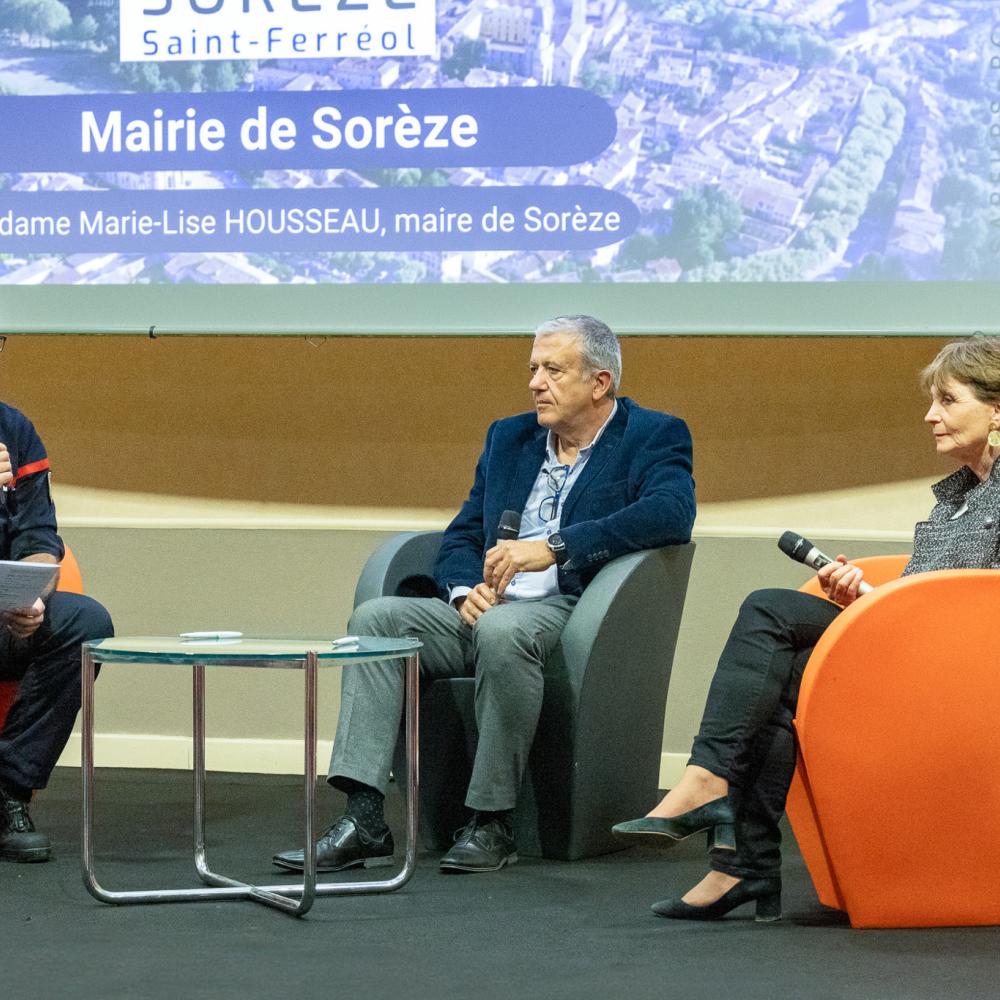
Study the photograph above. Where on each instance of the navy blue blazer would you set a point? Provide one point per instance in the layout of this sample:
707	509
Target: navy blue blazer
635	492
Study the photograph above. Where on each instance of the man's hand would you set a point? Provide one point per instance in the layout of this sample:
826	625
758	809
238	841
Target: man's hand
6	472
24	622
478	600
840	581
509	557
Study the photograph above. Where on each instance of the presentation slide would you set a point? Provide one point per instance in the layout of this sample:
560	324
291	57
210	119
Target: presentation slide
760	166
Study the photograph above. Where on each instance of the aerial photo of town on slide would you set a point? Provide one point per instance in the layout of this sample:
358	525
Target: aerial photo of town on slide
498	141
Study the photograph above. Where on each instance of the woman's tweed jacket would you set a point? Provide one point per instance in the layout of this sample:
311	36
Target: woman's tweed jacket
970	541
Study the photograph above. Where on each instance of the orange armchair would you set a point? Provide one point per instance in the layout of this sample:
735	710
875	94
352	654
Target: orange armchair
895	802
70	581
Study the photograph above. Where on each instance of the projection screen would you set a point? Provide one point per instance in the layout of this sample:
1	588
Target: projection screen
473	166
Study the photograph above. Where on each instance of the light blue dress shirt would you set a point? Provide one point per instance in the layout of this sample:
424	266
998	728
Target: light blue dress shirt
544	583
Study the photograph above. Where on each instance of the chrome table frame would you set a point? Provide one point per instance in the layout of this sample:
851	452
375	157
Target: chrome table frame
295	899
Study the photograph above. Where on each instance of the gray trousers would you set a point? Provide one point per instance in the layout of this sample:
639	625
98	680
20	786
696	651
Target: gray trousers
505	651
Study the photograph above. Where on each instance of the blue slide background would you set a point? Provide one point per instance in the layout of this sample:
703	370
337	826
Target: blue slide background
658	142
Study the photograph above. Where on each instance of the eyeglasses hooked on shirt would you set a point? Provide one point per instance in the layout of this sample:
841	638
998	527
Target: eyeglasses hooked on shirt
556	478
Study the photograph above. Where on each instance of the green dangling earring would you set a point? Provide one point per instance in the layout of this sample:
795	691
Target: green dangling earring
993	438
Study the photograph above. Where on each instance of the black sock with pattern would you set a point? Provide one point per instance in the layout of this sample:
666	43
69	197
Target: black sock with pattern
366	806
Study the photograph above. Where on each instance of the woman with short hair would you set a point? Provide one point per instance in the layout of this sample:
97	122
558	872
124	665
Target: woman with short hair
743	758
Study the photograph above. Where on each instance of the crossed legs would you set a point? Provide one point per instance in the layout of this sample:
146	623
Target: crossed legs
746	746
505	651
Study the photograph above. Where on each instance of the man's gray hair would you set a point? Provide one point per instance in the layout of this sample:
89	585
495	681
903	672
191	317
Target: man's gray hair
599	347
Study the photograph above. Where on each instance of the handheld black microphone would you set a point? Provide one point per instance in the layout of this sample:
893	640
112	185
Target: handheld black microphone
510	526
802	550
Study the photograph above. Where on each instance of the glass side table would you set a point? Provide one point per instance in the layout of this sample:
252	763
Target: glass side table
290	654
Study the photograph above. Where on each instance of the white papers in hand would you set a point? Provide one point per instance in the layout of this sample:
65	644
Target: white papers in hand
22	583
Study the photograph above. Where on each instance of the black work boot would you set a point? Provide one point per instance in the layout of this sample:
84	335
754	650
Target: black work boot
19	841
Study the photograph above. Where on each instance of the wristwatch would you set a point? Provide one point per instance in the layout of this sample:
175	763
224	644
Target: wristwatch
557	547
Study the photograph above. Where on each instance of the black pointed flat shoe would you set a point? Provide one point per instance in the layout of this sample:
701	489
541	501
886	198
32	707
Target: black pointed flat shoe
716	817
766	892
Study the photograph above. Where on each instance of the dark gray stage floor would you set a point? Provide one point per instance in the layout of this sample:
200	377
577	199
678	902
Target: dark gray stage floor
541	929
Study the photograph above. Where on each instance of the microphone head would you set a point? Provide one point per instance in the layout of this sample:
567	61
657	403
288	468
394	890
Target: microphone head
795	546
510	525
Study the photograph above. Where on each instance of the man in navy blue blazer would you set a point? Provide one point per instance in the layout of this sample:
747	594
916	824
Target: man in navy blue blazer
592	476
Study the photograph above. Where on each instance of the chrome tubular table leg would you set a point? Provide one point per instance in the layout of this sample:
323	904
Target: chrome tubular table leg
412	806
87	775
271	895
279	895
295	899
198	741
412	763
412	738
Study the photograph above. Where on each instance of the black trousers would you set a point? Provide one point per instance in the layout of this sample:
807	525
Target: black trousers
746	733
47	664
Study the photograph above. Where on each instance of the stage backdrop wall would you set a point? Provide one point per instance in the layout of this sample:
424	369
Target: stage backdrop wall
399	422
241	483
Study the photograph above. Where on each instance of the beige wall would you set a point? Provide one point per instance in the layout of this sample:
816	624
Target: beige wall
165	581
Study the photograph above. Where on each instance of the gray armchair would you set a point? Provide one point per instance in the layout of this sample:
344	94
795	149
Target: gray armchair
596	755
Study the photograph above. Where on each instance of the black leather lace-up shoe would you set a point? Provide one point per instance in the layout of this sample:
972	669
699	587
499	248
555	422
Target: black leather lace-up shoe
19	841
346	844
481	847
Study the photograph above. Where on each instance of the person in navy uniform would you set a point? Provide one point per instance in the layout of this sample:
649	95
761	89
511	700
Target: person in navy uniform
39	645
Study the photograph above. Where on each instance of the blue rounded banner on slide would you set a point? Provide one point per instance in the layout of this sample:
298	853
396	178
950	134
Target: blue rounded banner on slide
450	126
325	219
